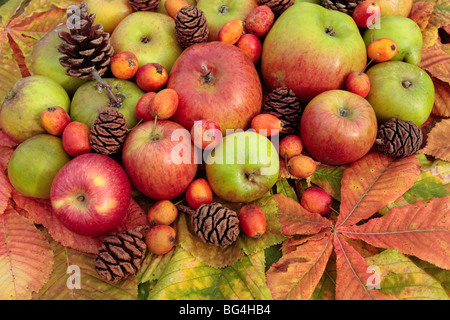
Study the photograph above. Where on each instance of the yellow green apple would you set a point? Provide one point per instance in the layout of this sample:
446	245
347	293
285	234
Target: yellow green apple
109	12
395	7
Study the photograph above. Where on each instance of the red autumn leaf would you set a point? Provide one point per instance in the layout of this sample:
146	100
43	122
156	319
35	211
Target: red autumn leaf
353	275
421	229
373	182
294	219
421	12
438	142
296	274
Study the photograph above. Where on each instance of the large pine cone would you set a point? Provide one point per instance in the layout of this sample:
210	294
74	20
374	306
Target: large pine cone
86	47
283	104
145	5
277	6
345	6
191	26
120	255
108	132
399	138
215	224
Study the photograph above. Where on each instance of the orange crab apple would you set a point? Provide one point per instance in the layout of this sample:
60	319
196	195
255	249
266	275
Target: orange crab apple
151	77
199	192
75	139
124	65
381	50
54	120
290	146
266	124
231	31
162	212
163	104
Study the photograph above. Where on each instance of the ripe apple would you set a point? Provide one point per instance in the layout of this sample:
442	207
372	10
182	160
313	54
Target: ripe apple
88	101
414	92
142	107
160	160
315	199
90	195
338	127
359	83
252	220
217	81
162	6
243	167
199	192
150	36
404	31
75	139
20	115
251	45
55	120
45	60
109	12
259	21
395	7
34	164
206	134
310	49
219	12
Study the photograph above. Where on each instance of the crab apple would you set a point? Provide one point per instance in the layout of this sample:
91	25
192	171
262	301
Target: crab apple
252	220
151	77
382	50
367	14
259	21
163	104
231	31
266	124
173	6
142	107
54	120
124	65
199	192
251	45
206	134
162	212
358	83
301	166
75	139
160	239
315	199
290	146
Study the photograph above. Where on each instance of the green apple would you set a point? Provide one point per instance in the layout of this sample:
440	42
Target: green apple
243	167
219	12
150	36
404	31
45	60
88	101
395	7
20	115
109	12
400	90
34	164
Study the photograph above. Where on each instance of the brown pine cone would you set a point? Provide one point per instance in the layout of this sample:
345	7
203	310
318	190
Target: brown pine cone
191	26
399	138
120	255
108	132
86	47
345	6
283	104
277	6
145	5
215	224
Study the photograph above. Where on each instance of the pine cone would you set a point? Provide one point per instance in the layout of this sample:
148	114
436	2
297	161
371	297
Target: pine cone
86	46
120	255
108	132
191	26
345	6
145	5
216	224
283	104
399	138
277	6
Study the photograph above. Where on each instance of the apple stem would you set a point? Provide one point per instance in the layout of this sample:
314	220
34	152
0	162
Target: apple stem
368	63
115	101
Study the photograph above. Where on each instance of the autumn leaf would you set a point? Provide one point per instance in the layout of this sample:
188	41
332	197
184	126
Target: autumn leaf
436	61
441	105
329	179
438	142
26	260
372	182
421	229
421	12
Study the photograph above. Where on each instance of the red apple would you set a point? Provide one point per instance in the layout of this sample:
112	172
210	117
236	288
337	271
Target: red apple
338	127
315	199
90	195
217	81
251	45
259	20
160	160
206	134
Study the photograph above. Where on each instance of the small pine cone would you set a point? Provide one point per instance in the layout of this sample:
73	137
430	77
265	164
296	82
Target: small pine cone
191	26
345	6
277	6
283	104
145	5
120	255
216	224
399	138
86	47
108	132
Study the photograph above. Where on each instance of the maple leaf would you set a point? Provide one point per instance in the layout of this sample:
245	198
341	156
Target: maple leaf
438	143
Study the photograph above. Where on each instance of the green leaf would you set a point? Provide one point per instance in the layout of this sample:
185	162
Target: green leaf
283	187
405	280
186	278
329	178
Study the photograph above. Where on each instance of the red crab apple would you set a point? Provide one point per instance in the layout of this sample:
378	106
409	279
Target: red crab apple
315	199
331	48
259	21
160	160
217	81
90	195
251	45
206	134
338	127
